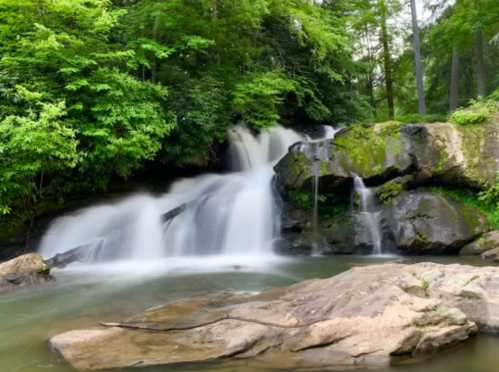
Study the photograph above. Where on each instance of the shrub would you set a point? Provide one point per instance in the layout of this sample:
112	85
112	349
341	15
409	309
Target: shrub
478	112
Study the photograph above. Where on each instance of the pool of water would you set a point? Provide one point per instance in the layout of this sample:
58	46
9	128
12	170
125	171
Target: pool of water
83	296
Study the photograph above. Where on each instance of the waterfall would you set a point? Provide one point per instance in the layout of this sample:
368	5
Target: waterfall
229	214
369	215
320	151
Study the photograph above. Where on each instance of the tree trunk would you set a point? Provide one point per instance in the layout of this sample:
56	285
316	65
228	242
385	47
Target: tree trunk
481	89
370	74
387	61
417	60
154	67
454	81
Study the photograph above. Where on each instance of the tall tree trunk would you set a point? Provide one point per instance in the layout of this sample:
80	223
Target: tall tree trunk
215	9
454	81
417	60
481	88
370	74
387	61
154	67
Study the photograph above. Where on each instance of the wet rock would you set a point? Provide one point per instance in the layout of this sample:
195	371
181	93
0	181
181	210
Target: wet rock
23	271
430	223
485	243
414	309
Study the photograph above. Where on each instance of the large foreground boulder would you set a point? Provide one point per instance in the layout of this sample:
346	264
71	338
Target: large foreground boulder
431	223
371	315
26	270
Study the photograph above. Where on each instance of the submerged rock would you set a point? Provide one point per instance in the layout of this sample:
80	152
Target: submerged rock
370	315
430	223
26	270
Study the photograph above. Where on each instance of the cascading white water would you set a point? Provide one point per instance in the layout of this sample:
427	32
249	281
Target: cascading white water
231	214
370	217
319	150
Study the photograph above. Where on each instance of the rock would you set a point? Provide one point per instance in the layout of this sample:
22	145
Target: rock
413	309
376	153
25	270
491	255
430	223
466	156
485	243
458	155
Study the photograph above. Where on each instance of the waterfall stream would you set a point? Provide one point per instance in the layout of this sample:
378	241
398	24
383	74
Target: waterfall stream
369	215
229	214
320	151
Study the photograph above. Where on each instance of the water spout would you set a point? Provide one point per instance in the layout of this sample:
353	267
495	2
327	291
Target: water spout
320	151
369	214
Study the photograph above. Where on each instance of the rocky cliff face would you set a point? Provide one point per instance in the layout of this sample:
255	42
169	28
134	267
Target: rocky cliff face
401	163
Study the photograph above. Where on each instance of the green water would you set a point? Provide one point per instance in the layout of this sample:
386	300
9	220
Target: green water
82	298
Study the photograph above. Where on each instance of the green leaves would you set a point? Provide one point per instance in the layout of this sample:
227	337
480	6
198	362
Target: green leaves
73	105
31	145
258	98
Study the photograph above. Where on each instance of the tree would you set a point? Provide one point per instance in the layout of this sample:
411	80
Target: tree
418	60
387	62
454	81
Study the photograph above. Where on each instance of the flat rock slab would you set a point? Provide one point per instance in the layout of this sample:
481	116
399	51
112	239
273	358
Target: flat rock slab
370	315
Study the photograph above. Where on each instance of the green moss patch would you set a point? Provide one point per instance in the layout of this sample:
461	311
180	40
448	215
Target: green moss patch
472	199
363	150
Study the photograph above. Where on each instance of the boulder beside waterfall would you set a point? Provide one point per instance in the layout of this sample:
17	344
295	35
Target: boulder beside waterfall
23	271
443	152
426	222
367	316
400	163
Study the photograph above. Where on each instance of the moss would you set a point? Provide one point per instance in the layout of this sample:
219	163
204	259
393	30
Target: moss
301	199
324	167
470	199
389	190
426	287
299	166
363	149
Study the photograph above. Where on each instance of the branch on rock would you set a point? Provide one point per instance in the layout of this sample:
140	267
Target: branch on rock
78	254
165	217
144	327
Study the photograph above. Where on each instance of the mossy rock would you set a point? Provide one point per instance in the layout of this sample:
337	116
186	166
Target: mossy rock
377	151
485	243
465	156
424	222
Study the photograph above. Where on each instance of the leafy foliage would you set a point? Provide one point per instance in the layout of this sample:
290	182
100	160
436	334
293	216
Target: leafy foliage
478	112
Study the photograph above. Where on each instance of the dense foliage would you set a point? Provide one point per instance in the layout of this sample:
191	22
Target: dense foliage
91	89
96	89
